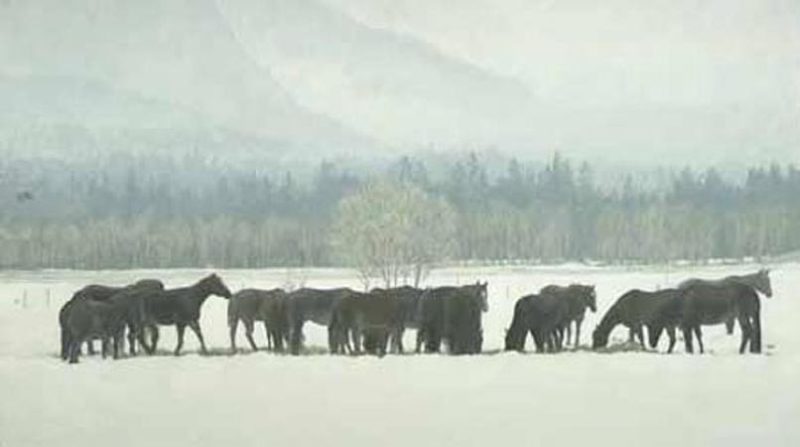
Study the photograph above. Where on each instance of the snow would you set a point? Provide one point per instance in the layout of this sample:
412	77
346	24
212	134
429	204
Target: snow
572	398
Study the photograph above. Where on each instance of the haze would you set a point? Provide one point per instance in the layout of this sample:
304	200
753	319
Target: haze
673	82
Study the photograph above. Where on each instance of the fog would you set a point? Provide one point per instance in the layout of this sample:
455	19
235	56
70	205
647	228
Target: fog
666	82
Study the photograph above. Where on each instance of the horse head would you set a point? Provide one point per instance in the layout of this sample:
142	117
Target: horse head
589	296
599	338
483	294
214	286
514	339
763	282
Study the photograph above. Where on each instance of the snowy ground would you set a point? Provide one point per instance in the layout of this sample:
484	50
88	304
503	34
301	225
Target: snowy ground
573	398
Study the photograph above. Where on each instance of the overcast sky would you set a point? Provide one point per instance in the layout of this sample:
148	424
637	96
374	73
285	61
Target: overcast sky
617	80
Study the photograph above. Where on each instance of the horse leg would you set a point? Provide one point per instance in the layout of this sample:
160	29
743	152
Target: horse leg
729	326
578	324
568	331
420	340
699	334
687	339
747	333
755	343
65	343
268	334
195	325
154	334
672	338
234	324
75	349
90	347
180	327
640	335
248	332
399	339
132	332
631	335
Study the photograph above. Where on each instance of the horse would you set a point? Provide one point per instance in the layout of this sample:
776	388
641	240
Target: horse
711	304
452	315
636	308
546	315
308	304
578	297
181	307
759	281
268	306
539	315
407	309
106	320
369	317
95	292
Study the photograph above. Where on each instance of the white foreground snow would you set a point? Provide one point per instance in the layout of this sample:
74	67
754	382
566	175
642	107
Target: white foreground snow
496	399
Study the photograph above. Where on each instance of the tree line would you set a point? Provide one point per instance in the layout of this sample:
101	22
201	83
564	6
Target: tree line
157	211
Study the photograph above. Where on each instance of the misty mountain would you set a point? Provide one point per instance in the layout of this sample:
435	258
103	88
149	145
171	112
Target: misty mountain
171	54
326	78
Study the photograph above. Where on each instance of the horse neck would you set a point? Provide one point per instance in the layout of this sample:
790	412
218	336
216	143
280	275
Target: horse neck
609	321
199	294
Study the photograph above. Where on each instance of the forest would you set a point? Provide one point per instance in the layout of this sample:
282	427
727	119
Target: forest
150	211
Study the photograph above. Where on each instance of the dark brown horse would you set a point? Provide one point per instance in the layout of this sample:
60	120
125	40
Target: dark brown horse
636	309
453	315
102	293
268	306
368	317
181	307
711	304
578	297
407	312
759	281
311	305
545	316
106	320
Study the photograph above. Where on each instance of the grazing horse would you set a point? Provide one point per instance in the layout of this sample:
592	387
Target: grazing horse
181	307
711	304
636	308
545	316
407	312
452	315
759	281
268	306
101	293
308	304
578	297
541	315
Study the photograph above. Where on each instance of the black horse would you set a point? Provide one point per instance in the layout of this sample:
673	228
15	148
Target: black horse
181	307
658	311
711	304
578	298
369	318
102	293
268	306
310	305
546	316
452	315
759	281
106	320
406	308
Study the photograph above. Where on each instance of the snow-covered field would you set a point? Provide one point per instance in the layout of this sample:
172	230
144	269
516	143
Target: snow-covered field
573	398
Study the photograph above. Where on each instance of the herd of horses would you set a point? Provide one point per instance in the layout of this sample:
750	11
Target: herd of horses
374	322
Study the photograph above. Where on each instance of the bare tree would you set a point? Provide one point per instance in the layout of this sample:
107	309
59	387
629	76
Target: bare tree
393	231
